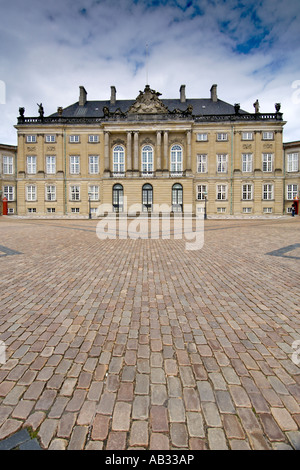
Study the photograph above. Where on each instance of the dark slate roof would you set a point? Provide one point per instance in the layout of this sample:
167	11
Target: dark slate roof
201	107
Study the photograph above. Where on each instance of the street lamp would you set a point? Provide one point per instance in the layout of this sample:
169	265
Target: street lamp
205	199
90	214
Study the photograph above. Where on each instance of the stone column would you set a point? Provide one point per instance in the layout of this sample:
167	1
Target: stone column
166	151
129	152
106	153
189	151
136	152
158	151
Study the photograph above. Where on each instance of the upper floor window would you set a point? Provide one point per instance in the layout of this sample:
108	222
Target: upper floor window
74	139
247	135
93	164
74	164
119	159
50	164
267	161
31	164
50	138
9	192
7	165
221	136
31	139
202	163
247	162
176	158
147	159
293	162
202	137
93	138
222	163
266	135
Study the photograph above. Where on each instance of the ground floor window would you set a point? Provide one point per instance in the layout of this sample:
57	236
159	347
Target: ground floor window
177	198
118	198
147	197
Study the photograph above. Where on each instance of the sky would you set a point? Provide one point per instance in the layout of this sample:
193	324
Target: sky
249	48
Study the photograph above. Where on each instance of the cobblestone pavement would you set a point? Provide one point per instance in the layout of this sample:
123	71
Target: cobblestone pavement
120	344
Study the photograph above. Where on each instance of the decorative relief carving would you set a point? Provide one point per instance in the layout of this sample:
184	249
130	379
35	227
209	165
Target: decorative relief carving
148	102
268	146
50	148
31	149
148	141
117	142
247	146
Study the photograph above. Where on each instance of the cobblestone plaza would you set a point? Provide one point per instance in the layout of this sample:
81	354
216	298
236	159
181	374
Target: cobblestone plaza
122	344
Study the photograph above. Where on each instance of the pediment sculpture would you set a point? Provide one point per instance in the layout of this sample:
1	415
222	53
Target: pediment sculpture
148	102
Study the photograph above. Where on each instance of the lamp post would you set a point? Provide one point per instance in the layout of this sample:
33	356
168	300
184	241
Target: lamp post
90	215
205	199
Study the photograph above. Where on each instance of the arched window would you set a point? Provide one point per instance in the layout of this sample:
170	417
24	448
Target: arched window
147	197
177	198
119	159
147	159
117	198
176	159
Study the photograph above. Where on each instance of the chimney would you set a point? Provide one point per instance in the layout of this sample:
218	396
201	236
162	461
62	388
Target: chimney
82	96
213	93
113	93
182	94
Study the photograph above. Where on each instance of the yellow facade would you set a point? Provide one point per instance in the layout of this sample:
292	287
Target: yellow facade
8	173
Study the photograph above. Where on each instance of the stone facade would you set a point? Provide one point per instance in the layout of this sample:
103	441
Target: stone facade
186	154
292	174
8	172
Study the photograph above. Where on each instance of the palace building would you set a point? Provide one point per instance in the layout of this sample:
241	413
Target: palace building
154	154
8	176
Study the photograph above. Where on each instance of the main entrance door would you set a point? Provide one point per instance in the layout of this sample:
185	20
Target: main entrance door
147	197
177	198
117	198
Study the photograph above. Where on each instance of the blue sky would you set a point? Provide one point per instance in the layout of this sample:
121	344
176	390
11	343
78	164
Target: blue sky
251	49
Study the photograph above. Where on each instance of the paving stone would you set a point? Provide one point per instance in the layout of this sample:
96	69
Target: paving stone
78	438
179	435
140	407
159	419
195	424
158	394
100	427
121	416
284	419
139	435
216	439
159	441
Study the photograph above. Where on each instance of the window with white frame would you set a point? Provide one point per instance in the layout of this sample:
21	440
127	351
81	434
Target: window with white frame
247	135
247	192
176	159
201	192
74	164
93	138
147	159
30	139
94	193
222	136
8	165
202	137
9	192
202	163
266	135
75	210
119	159
50	192
291	191
222	163
292	162
50	138
31	164
31	192
75	193
50	209
268	192
267	160
247	210
247	159
74	139
50	164
93	164
222	192
31	209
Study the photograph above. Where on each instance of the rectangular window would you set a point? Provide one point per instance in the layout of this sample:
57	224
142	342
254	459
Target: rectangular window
247	210
247	192
267	210
293	162
8	165
31	165
268	192
202	163
74	193
50	164
93	138
221	209
74	165
222	163
93	164
8	192
50	138
94	193
75	210
221	192
50	209
74	139
268	135
222	136
267	161
31	139
247	135
31	193
247	159
201	192
31	209
292	191
202	137
50	193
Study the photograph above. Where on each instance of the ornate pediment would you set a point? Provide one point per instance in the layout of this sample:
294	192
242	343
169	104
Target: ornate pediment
148	102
